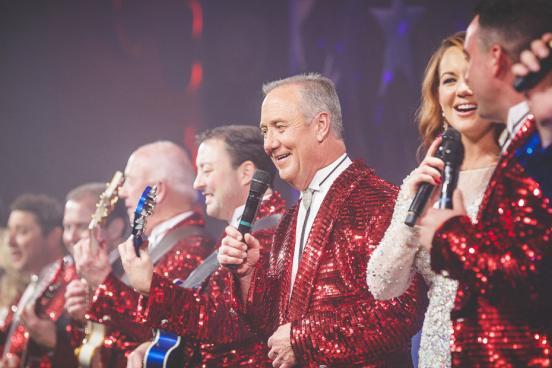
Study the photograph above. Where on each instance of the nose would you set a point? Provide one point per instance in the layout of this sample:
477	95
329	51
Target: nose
198	182
270	142
11	239
73	236
463	89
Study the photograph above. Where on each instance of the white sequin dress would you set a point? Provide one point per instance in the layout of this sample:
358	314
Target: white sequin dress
397	258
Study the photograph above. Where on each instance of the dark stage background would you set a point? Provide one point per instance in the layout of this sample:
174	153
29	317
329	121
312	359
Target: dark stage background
83	83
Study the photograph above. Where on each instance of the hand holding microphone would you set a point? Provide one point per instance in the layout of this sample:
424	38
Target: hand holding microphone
440	166
235	249
534	77
535	64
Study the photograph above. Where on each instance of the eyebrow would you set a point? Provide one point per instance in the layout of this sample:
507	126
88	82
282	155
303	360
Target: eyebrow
445	73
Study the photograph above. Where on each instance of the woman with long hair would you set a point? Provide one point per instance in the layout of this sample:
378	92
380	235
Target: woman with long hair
446	101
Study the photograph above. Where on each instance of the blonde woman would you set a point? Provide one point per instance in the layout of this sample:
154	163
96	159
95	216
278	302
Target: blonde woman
446	100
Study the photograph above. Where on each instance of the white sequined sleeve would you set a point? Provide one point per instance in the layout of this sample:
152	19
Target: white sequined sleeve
391	265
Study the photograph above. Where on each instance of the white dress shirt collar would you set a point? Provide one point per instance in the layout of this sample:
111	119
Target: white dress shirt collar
516	116
159	231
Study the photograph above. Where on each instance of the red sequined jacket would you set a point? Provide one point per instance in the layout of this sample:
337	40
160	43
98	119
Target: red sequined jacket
49	305
503	310
335	321
115	303
184	311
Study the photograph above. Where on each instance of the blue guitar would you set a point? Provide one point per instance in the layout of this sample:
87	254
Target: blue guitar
144	209
165	351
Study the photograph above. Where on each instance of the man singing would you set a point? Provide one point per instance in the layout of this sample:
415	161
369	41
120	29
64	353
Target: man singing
309	296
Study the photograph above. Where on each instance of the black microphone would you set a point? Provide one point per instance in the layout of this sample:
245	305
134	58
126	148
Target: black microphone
452	140
453	157
533	78
259	184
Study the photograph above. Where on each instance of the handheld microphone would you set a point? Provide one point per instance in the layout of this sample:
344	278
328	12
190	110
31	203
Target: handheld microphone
453	158
259	184
533	78
451	143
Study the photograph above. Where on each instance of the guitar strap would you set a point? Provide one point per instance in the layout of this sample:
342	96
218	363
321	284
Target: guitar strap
162	248
210	264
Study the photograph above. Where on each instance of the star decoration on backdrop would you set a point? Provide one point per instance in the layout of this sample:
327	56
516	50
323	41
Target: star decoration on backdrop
397	23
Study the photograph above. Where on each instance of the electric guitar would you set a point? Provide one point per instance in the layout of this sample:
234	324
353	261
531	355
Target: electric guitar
96	332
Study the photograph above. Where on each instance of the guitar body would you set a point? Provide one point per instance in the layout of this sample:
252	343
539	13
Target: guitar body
165	351
95	335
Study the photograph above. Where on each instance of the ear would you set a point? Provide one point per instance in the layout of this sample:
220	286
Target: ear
161	191
501	63
323	126
245	172
115	229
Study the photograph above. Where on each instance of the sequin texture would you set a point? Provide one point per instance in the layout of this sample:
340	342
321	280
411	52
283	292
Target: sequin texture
503	262
205	315
335	320
49	305
115	304
398	257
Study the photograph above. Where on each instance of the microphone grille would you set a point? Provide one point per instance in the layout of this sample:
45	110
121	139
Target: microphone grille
261	180
452	149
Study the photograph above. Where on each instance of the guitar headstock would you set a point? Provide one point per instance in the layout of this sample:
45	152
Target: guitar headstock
108	200
144	209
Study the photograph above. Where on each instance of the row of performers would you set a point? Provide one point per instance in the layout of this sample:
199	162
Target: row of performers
337	279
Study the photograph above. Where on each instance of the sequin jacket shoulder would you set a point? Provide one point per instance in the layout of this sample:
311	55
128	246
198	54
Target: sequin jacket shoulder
503	264
206	315
116	304
335	320
49	305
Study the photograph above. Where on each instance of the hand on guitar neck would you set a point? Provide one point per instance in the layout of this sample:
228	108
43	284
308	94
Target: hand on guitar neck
41	330
136	261
92	261
139	270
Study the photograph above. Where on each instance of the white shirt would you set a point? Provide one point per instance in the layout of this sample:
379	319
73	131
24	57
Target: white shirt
317	199
236	216
159	231
516	116
238	212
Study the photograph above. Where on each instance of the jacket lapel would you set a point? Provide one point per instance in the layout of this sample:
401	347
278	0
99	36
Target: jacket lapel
506	161
318	240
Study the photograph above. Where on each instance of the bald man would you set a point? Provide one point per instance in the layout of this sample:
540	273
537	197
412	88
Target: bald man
177	241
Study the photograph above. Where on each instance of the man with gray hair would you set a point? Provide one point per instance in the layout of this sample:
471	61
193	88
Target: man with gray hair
309	296
177	242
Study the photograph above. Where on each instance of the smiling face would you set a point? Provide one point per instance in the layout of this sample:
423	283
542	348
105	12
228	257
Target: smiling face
218	180
289	136
457	101
26	241
76	217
